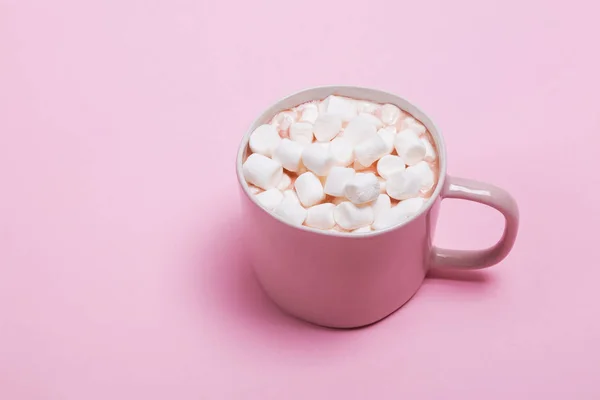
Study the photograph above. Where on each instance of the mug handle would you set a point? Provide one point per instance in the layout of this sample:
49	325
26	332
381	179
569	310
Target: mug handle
479	192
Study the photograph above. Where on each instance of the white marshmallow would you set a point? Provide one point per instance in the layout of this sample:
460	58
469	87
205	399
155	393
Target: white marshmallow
367	107
261	171
310	112
290	209
381	205
390	114
309	189
398	214
364	229
372	118
318	158
388	134
321	216
285	182
301	132
363	188
389	218
326	146
419	128
370	150
348	216
411	207
264	140
345	108
413	124
389	164
403	185
382	184
327	126
409	147
359	128
322	107
269	199
337	179
430	154
425	173
284	120
342	151
289	154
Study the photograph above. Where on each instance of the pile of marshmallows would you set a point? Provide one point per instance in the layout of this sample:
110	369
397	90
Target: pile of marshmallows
321	145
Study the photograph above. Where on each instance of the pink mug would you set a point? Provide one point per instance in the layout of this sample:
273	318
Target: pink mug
344	280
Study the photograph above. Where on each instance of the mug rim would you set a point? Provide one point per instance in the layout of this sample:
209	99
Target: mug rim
344	90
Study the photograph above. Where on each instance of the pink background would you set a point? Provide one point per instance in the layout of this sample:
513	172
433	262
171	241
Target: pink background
119	270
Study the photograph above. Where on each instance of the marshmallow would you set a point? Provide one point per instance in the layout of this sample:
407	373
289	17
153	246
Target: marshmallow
403	185
324	145
409	146
381	205
413	124
410	207
310	112
367	107
388	134
350	136
289	154
389	218
320	216
342	151
284	120
370	150
261	171
382	184
290	209
337	179
348	216
429	150
425	173
285	182
389	164
322	107
264	140
363	188
343	107
390	114
327	126
269	199
359	128
398	214
301	132
372	118
318	158
309	189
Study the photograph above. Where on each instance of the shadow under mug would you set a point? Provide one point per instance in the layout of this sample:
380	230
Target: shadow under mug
344	280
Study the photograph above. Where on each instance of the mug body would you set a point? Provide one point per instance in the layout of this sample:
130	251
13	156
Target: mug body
338	279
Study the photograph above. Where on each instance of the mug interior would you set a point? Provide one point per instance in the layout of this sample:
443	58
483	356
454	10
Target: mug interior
360	93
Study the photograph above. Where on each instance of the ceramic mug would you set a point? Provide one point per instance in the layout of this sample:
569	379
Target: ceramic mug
345	280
